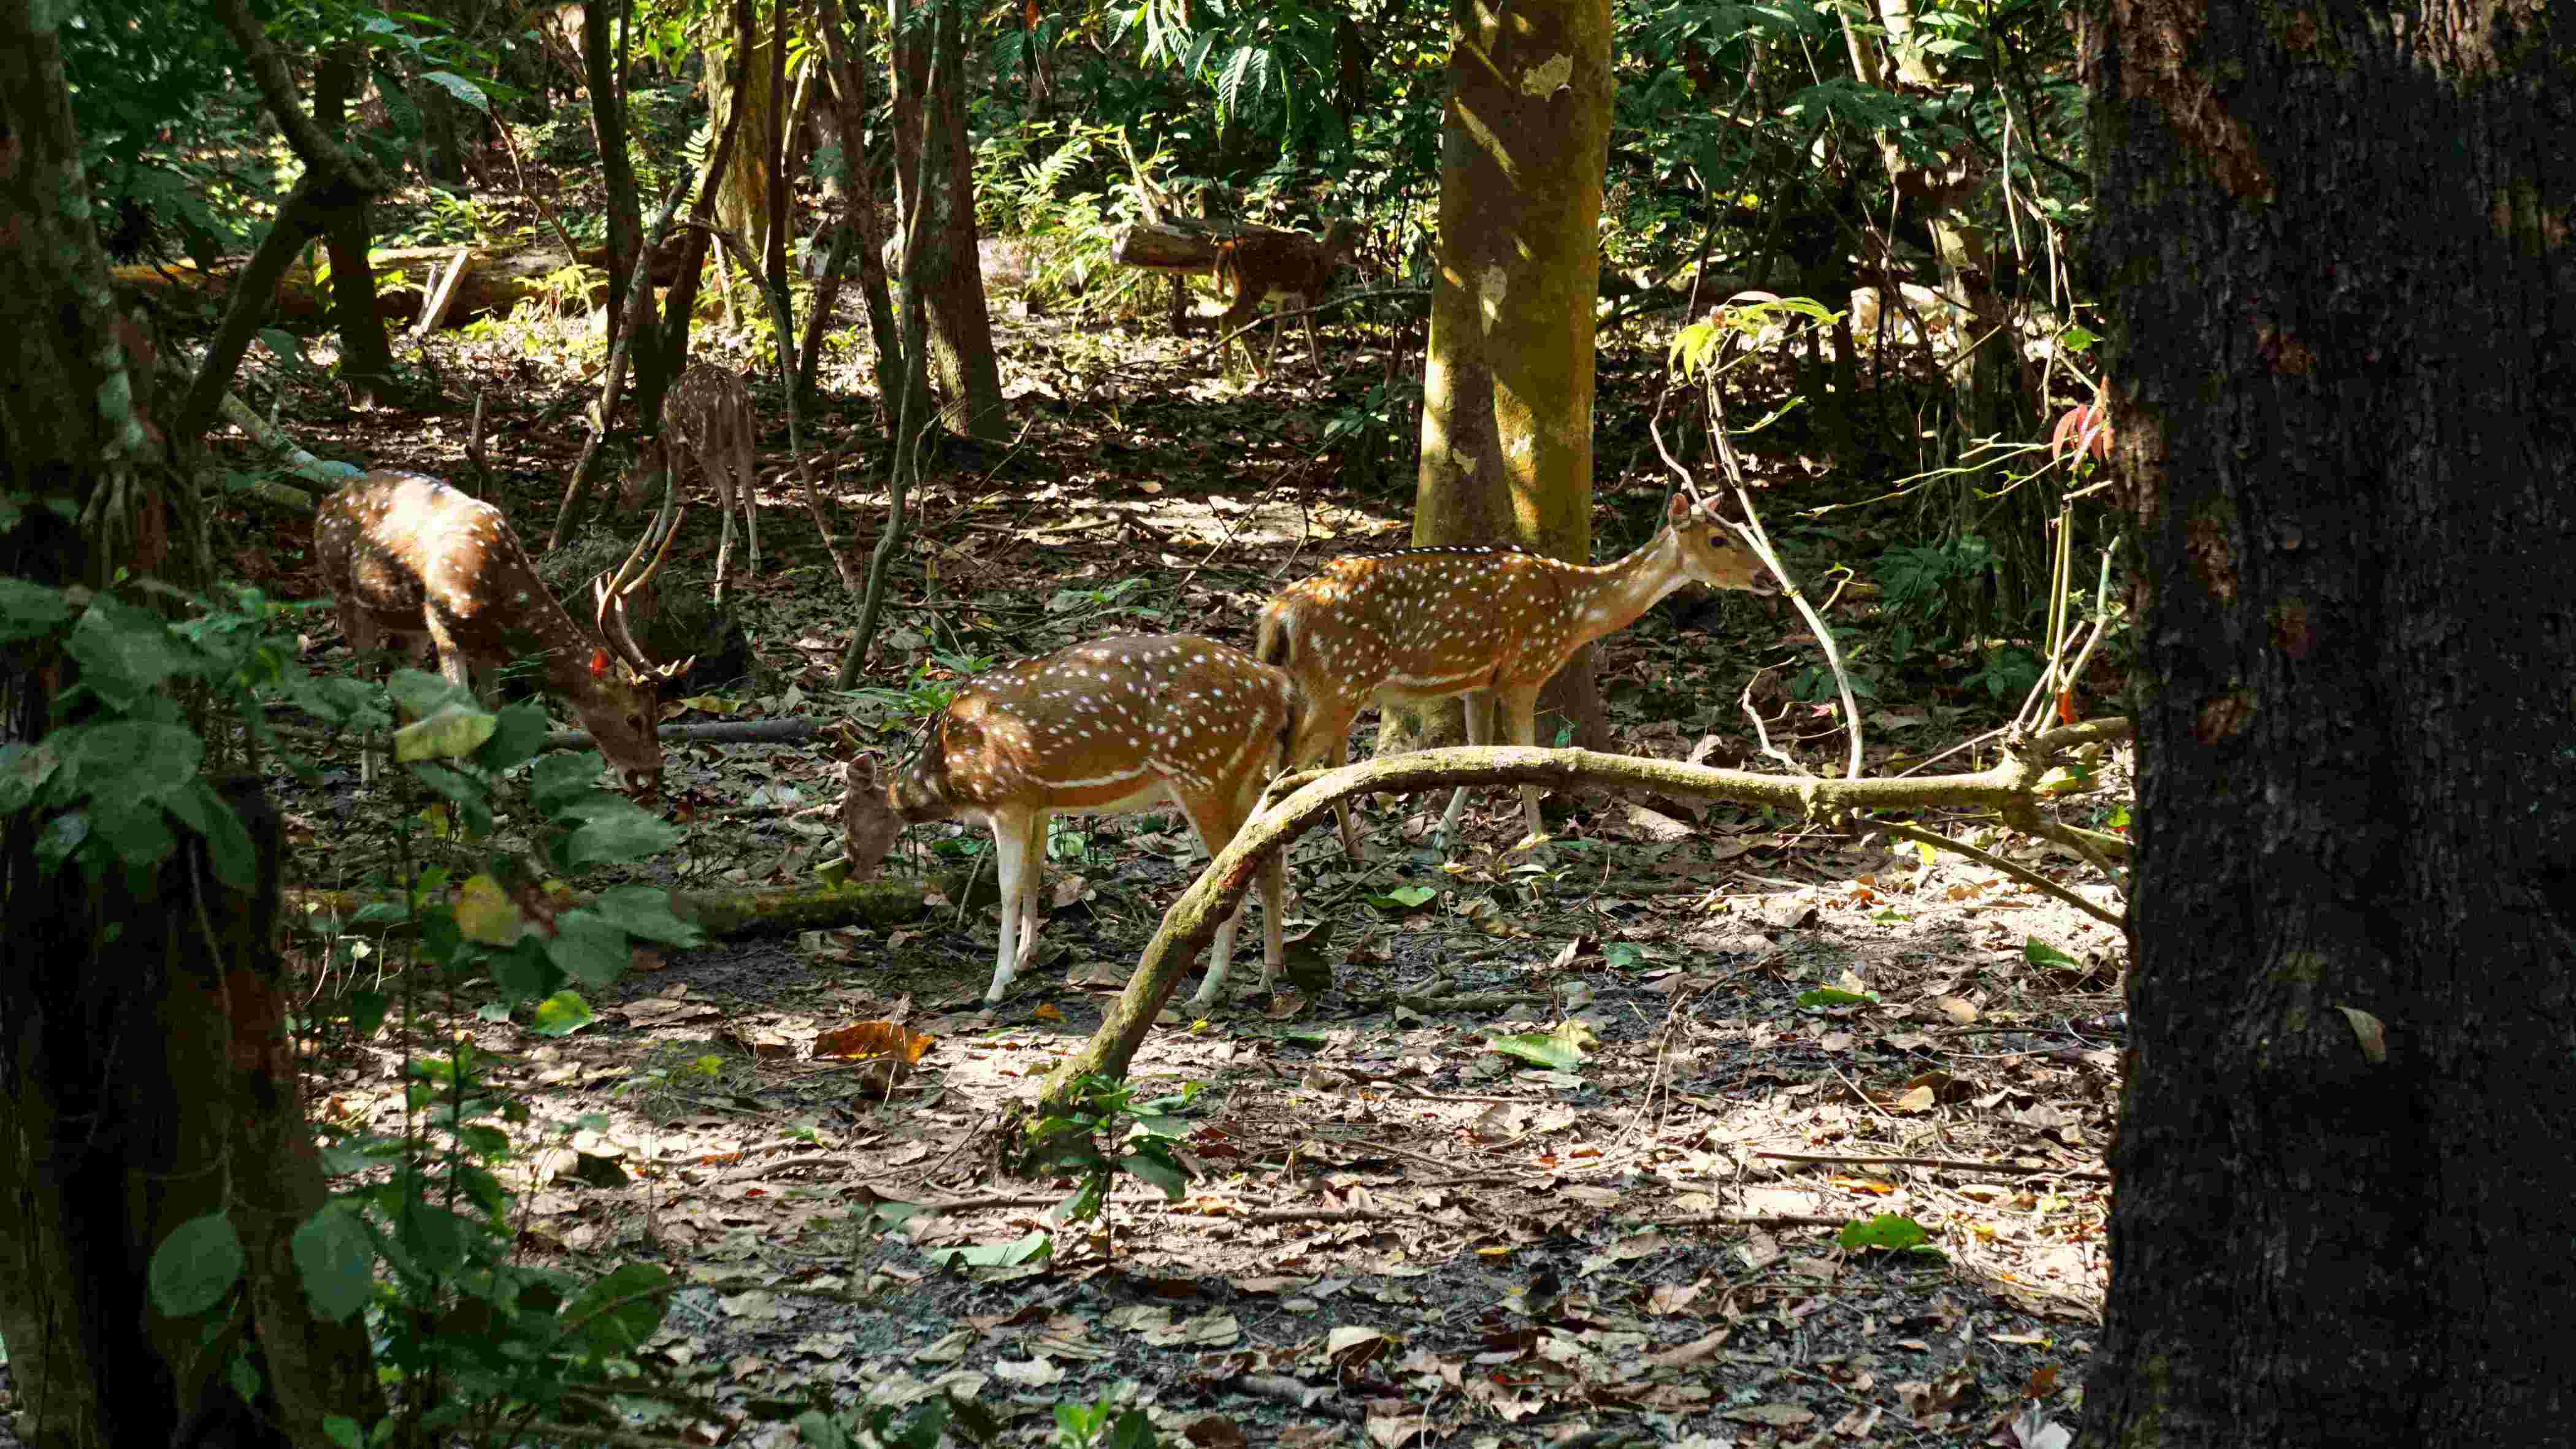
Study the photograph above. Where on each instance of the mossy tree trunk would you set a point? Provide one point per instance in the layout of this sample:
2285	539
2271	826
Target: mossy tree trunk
2338	260
742	197
1507	395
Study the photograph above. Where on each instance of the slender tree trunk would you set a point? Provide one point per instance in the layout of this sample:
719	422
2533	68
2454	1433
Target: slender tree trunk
845	44
625	206
930	110
348	232
1507	395
2339	257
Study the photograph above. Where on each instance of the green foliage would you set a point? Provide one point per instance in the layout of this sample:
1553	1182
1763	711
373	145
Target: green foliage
1105	1131
423	1242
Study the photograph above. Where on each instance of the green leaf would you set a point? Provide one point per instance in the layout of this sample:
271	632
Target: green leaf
1156	1172
130	761
590	950
196	1266
1891	1232
525	972
645	911
24	769
997	1255
337	1261
519	732
559	778
139	834
421	694
462	89
640	1292
1623	954
344	1432
29	609
2039	953
562	1014
1831	996
283	343
126	652
1405	898
449	734
1540	1049
614	830
203	809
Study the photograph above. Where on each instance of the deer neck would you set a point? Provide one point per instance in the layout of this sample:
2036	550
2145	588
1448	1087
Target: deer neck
565	653
1609	598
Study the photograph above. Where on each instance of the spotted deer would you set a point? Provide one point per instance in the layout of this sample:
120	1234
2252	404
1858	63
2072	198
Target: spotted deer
409	559
1289	266
1112	727
707	414
1491	624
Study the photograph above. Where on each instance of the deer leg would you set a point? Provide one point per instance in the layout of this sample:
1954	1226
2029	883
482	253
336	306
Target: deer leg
1342	808
724	535
1245	308
746	476
1011	862
1314	353
1517	709
1214	824
1479	732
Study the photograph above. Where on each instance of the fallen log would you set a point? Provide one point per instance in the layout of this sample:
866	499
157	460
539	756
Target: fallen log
734	914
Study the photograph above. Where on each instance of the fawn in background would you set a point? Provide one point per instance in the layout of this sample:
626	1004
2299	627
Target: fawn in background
1291	267
1113	727
1491	624
409	559
707	414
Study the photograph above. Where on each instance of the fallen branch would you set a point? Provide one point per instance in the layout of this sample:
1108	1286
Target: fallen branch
718	732
1192	921
1946	1164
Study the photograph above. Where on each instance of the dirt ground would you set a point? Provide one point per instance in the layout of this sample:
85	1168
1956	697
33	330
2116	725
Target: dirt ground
1396	1232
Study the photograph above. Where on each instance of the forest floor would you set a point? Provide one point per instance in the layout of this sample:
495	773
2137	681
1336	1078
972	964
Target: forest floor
1397	1232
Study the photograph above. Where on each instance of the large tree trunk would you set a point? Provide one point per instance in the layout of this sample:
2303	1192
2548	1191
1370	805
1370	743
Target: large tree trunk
2338	250
145	1078
930	109
1507	395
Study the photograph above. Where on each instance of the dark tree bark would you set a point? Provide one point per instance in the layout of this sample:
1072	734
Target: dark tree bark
145	1077
607	80
930	112
348	231
1507	398
2337	250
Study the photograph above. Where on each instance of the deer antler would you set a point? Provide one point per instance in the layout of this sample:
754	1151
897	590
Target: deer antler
610	591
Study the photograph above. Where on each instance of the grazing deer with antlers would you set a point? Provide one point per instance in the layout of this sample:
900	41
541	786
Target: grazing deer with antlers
1115	726
408	558
1290	266
1491	624
707	414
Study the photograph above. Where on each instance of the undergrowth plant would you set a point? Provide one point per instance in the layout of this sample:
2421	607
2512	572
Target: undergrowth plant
469	1340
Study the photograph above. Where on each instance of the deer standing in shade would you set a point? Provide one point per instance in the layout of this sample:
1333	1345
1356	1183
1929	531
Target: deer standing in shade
409	559
1492	624
1291	267
1113	727
708	415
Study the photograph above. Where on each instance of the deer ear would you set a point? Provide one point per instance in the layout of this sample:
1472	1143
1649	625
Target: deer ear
1680	509
860	774
599	662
